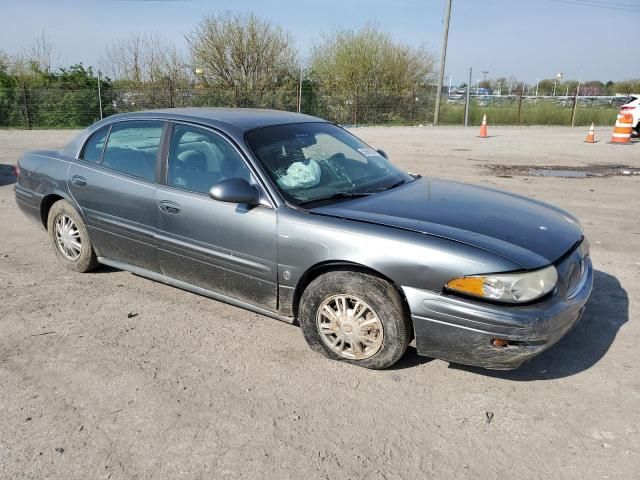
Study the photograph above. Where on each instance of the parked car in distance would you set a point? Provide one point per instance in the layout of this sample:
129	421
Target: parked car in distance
632	106
295	218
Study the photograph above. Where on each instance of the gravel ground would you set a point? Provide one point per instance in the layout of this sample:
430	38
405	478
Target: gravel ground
109	375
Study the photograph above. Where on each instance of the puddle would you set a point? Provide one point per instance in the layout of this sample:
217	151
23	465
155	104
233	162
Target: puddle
561	171
541	172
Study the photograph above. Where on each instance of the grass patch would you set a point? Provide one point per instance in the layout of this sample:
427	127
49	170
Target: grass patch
530	114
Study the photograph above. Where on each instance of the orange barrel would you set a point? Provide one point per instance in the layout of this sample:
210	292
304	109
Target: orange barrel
623	128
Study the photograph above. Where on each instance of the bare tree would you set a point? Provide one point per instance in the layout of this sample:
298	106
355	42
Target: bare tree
41	53
243	51
144	58
5	61
40	56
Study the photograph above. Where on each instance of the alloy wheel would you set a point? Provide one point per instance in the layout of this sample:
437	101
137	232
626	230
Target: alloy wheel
350	327
68	238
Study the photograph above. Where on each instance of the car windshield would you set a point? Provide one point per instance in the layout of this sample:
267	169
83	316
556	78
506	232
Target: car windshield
316	162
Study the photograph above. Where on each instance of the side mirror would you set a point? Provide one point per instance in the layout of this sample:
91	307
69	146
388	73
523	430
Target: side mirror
235	190
383	153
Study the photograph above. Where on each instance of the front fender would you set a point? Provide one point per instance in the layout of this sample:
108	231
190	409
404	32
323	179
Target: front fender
407	258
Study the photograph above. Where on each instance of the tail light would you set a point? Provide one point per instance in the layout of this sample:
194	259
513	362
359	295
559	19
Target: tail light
17	170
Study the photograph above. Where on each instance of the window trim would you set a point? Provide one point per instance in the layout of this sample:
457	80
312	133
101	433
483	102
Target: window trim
84	146
266	196
164	125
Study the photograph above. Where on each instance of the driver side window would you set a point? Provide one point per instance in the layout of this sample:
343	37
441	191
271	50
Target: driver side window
199	158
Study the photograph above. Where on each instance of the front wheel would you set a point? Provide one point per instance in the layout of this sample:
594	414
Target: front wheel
69	238
356	318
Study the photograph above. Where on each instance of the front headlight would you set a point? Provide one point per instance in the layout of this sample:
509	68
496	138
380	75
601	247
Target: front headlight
508	287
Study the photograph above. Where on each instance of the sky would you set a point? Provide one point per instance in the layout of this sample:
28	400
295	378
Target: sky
527	39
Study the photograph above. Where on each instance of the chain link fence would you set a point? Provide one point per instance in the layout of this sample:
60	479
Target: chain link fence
26	107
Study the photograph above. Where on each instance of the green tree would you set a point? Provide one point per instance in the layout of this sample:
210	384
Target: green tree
67	97
367	77
545	86
368	61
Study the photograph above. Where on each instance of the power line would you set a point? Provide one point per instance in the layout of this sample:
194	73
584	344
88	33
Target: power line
602	4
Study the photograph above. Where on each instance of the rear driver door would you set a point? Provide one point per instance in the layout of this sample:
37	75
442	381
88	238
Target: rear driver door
114	183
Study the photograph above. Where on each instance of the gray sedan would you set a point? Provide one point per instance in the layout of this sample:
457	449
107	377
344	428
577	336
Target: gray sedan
295	218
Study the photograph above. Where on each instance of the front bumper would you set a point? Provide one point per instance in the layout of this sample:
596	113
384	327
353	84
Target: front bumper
461	330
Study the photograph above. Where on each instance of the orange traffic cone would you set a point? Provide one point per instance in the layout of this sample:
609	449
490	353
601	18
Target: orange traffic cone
622	130
591	136
483	127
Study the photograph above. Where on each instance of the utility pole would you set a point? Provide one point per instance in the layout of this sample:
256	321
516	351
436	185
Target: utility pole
466	105
484	75
575	105
443	58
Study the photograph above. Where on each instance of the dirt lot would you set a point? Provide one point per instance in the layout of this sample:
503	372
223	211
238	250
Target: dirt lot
109	375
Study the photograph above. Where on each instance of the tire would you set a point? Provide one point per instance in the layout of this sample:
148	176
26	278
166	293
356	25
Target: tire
375	346
71	223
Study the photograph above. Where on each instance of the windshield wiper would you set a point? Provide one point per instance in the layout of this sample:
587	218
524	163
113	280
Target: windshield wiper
393	185
337	196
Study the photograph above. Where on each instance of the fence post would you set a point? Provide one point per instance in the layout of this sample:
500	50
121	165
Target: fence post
520	105
355	108
170	93
413	103
26	105
575	106
468	100
99	97
300	92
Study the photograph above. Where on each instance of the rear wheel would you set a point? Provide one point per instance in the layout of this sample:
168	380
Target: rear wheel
356	318
69	238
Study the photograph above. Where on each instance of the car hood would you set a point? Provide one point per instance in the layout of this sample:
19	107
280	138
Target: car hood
528	232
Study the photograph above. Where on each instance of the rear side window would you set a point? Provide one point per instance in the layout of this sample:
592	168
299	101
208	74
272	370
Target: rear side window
93	148
132	148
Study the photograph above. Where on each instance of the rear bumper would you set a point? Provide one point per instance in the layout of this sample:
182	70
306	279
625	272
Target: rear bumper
460	330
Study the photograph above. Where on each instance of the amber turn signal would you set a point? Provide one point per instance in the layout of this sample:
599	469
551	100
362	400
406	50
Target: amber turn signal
471	285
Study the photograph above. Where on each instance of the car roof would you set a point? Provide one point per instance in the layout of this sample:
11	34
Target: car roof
235	122
243	119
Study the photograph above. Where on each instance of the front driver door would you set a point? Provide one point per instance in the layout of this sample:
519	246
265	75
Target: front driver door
223	247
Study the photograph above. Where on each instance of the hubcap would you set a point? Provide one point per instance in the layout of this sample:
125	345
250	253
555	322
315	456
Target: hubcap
68	238
350	327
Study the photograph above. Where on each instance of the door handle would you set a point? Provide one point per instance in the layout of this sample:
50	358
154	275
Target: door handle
169	207
79	181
